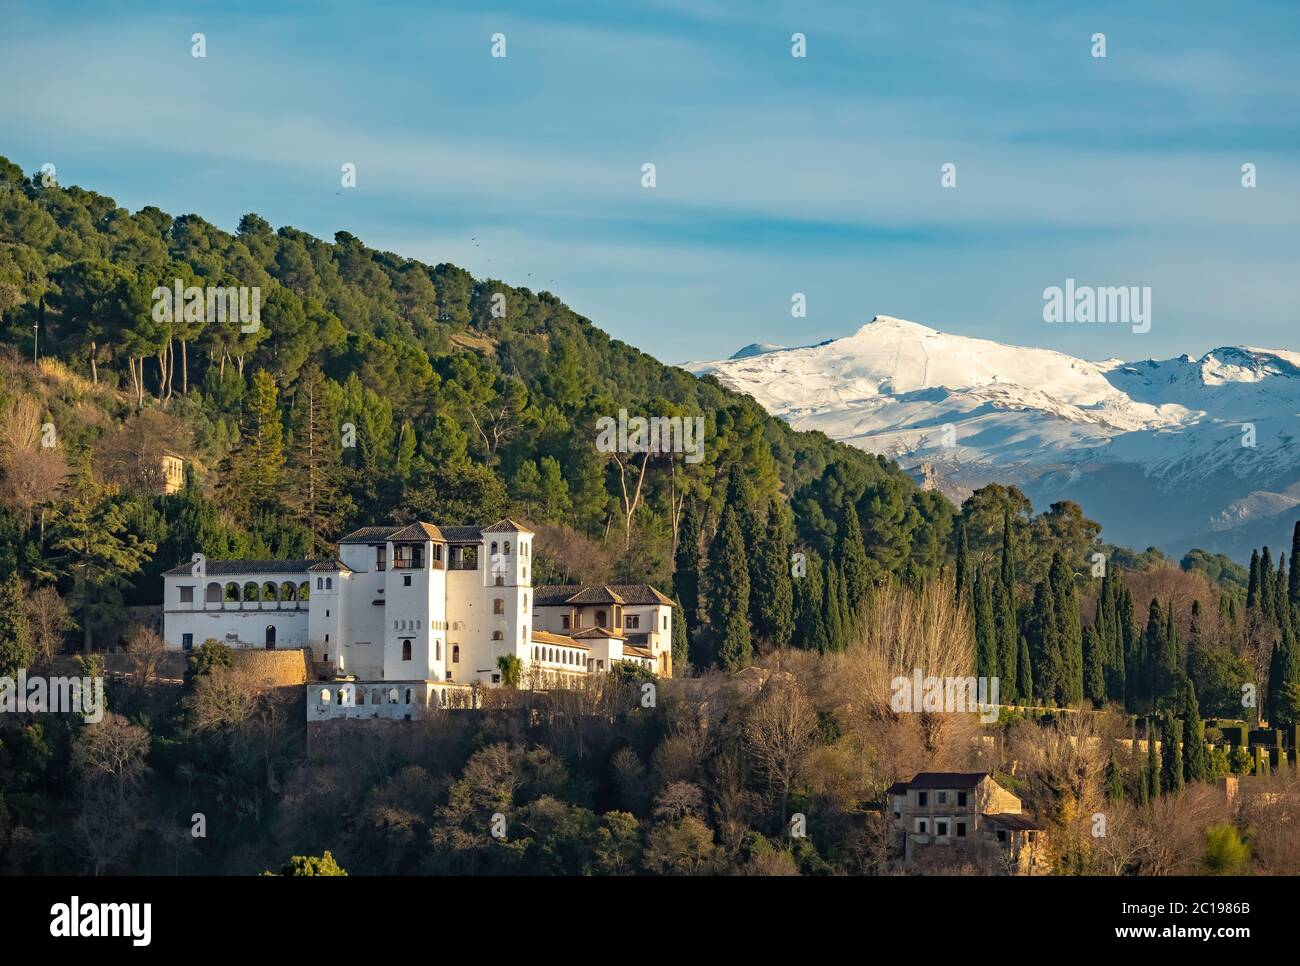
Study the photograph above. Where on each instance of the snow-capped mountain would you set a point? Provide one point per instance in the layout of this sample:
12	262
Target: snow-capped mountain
1174	453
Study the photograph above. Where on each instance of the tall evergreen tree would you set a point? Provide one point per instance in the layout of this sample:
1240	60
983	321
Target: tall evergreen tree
1069	629
317	458
1196	754
772	595
1293	588
1266	583
1094	681
686	574
809	620
1050	681
854	567
1004	612
832	615
986	644
1152	649
1152	773
1024	673
729	595
256	470
1114	778
1252	589
963	562
1171	757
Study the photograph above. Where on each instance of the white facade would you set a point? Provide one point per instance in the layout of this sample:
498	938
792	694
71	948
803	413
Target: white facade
422	609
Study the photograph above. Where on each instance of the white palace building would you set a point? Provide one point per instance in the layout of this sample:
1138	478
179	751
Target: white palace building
417	615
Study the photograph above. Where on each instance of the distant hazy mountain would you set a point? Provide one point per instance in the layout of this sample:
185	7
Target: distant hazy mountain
1153	450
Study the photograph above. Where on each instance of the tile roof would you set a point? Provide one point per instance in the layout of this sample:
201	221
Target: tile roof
556	595
331	565
598	633
506	526
637	651
948	779
418	531
1015	821
370	535
595	595
470	534
235	568
546	637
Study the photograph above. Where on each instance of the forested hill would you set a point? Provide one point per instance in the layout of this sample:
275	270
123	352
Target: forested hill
470	398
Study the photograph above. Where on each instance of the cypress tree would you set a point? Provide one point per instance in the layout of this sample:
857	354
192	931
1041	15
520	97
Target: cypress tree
681	649
1024	674
1293	587
772	594
1114	780
810	623
1171	758
1196	755
963	552
1004	611
1069	629
1266	583
729	595
1048	662
854	567
1152	774
1094	682
1152	648
1129	656
986	649
686	570
740	498
1171	657
831	613
1281	603
1252	589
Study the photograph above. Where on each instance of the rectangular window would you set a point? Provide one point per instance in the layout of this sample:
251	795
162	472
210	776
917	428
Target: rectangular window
922	799
922	826
961	830
943	798
665	622
1002	835
961	798
941	827
187	641
564	622
633	622
381	558
187	594
406	580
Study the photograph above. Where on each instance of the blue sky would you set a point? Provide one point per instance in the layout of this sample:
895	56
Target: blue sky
775	175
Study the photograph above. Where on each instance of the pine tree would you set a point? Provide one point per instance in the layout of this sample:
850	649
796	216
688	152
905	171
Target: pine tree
772	591
729	595
16	647
686	577
854	567
1171	758
256	470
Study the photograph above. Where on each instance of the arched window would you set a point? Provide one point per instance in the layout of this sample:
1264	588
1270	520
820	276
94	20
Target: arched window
406	650
498	636
213	594
494	546
408	695
270	636
232	591
525	601
455	654
250	591
600	618
324	695
329	583
376	696
437	648
392	695
523	633
320	583
498	605
505	548
288	591
304	590
361	696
